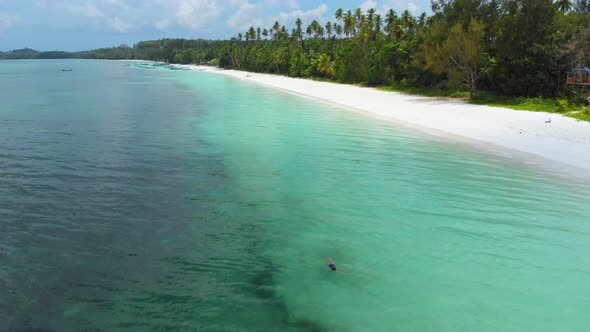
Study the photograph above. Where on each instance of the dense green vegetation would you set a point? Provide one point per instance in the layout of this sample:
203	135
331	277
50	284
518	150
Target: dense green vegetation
167	50
508	47
27	53
518	52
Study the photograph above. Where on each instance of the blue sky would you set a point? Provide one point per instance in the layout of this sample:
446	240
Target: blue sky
86	24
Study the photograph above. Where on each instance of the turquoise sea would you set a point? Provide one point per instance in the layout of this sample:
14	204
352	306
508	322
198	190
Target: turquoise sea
139	198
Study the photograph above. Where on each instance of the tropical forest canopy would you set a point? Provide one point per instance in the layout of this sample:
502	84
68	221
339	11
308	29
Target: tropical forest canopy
509	47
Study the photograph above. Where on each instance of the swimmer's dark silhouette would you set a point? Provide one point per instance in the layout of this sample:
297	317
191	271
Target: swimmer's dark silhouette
331	264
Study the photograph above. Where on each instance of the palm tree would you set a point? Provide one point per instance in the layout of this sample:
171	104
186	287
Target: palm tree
398	31
247	37
377	24
325	65
360	19
329	29
582	6
564	5
358	13
284	33
309	29
371	15
430	21
316	29
258	31
298	30
338	29
363	35
422	20
349	24
391	21
320	30
240	37
265	33
275	30
339	14
279	57
407	18
251	34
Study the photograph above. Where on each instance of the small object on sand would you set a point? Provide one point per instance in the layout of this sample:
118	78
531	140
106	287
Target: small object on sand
548	121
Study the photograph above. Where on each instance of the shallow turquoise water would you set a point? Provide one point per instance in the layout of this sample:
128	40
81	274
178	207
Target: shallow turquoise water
144	199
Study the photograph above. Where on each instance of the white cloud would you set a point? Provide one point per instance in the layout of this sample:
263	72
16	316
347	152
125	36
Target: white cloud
247	15
368	5
110	15
117	3
119	25
293	4
206	16
400	6
306	16
8	21
126	15
250	14
162	24
413	8
87	9
195	14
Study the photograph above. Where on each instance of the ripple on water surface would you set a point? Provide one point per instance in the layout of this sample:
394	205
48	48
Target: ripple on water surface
152	200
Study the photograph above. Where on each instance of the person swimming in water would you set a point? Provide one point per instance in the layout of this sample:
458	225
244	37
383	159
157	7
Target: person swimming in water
331	264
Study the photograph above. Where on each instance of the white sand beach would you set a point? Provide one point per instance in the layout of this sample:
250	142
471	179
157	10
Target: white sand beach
564	141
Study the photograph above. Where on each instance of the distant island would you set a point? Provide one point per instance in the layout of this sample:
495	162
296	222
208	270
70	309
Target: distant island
523	54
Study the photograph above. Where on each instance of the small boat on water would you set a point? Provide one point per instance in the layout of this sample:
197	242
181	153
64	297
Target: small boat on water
66	70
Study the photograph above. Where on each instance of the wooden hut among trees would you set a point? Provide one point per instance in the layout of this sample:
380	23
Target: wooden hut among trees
579	79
